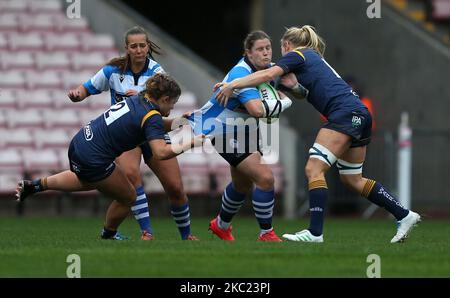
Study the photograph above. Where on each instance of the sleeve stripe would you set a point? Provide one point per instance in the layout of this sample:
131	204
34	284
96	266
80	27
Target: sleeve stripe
148	115
301	54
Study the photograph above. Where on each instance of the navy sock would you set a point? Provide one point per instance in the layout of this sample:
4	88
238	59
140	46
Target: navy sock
231	203
182	218
140	210
39	185
263	202
318	193
106	234
378	195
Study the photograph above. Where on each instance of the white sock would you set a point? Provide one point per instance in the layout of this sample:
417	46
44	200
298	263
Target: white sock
265	231
223	225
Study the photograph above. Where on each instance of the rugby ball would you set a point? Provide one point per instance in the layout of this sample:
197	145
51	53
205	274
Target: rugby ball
268	92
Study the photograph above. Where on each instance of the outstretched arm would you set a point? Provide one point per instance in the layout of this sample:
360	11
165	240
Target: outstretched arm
163	151
254	79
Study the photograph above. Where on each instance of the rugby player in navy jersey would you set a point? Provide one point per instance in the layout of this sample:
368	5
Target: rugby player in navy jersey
344	138
239	144
125	77
93	150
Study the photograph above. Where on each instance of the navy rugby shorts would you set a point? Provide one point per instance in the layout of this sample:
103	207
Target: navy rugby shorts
356	123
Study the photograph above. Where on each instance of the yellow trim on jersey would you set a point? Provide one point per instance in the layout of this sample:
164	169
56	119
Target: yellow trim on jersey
148	115
301	54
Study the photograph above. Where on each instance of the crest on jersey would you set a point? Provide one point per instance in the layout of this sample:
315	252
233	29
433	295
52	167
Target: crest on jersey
356	121
121	78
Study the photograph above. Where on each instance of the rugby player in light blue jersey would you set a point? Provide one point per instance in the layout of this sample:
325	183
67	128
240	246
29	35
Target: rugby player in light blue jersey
133	121
239	143
344	138
125	77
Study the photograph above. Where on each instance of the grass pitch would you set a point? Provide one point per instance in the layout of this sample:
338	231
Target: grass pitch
38	247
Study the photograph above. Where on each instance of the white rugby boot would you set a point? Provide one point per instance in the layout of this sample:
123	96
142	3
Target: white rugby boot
405	226
303	236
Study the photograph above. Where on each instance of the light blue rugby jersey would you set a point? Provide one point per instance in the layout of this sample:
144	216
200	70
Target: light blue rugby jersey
111	77
211	119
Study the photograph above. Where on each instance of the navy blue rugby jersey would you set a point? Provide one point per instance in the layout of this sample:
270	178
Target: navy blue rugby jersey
121	128
328	92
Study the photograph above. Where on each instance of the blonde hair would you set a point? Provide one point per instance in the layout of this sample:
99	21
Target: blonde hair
304	37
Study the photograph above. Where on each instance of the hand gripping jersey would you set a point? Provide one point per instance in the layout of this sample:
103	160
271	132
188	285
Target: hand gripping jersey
213	119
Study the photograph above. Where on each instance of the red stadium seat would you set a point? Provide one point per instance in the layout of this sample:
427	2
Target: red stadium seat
40	98
62	42
88	61
8	181
51	138
61	119
28	118
41	160
26	41
16	138
10	161
9	22
14	6
37	22
17	60
12	79
8	98
95	42
52	61
48	6
43	79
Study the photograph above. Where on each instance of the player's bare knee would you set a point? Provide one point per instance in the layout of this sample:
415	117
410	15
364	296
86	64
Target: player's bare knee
133	175
265	180
176	193
243	187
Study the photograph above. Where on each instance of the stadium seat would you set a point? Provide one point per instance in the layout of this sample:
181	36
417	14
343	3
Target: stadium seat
43	79
63	158
17	60
40	98
16	138
3	121
26	41
194	172
10	161
8	98
61	119
8	181
75	79
53	6
100	101
64	24
52	61
13	6
51	138
41	160
8	22
3	42
62	42
88	115
91	42
12	79
30	118
62	101
36	22
88	61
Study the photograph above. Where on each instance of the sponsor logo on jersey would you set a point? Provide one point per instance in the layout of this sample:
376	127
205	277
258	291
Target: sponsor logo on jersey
88	134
